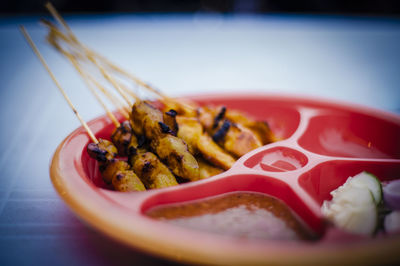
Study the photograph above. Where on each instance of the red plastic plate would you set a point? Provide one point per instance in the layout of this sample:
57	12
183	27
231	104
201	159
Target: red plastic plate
323	143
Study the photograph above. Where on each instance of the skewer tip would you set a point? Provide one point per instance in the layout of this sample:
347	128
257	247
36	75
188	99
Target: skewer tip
48	5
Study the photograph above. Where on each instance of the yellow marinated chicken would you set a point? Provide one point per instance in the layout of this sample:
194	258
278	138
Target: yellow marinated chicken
152	171
207	170
148	121
145	120
112	170
121	137
214	153
126	181
233	136
191	131
175	153
182	107
103	151
170	121
260	128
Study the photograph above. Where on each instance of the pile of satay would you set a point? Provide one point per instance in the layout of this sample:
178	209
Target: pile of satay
157	145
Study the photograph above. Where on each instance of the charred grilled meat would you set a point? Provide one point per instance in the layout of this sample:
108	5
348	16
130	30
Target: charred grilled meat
149	121
259	128
152	171
207	170
192	132
233	131
121	137
112	170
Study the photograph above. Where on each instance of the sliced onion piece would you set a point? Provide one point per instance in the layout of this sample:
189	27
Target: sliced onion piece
352	209
368	181
392	222
391	195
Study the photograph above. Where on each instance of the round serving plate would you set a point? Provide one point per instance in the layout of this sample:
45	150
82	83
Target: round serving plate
322	143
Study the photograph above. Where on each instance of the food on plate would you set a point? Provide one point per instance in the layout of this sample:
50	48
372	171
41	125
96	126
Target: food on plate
368	181
152	171
199	142
165	141
114	171
354	205
148	121
391	194
392	222
363	205
391	197
246	215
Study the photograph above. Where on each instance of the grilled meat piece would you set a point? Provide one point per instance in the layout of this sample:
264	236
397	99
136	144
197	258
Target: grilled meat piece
121	137
220	134
238	140
175	153
228	131
145	118
192	132
114	171
182	107
109	171
207	170
145	164
170	121
219	116
126	181
214	153
206	116
260	128
148	121
103	151
153	173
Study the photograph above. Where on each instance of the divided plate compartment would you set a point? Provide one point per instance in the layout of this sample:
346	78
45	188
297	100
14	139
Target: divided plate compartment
322	144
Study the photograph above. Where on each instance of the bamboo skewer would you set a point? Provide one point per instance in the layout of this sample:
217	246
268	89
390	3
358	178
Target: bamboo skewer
94	92
123	109
129	92
97	59
60	20
111	80
39	55
82	73
91	54
52	40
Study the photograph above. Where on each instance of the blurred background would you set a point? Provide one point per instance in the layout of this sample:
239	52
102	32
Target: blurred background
340	50
362	7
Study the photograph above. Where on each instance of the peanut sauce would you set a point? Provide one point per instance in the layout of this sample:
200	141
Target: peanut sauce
238	214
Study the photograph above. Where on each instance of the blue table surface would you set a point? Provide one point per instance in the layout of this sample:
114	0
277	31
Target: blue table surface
348	59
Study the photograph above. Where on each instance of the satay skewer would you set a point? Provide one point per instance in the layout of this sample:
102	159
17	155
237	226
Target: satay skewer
89	54
227	161
52	39
250	137
122	179
42	60
153	173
